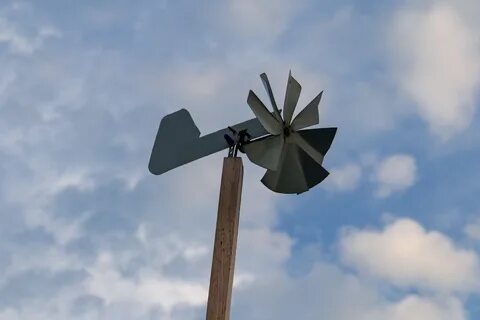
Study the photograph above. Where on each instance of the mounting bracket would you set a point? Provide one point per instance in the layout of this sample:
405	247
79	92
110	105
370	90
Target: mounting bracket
236	142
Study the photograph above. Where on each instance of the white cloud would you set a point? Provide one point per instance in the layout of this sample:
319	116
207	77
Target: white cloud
262	18
407	255
323	291
198	85
149	288
416	307
19	43
472	230
345	178
395	173
437	58
261	251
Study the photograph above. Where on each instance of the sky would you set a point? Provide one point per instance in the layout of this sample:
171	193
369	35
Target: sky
86	232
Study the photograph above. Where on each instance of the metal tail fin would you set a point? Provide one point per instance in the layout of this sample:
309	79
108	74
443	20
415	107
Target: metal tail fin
176	138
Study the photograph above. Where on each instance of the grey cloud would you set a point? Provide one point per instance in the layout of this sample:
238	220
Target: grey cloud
23	287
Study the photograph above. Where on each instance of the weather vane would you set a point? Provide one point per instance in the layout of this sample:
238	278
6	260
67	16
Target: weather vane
293	158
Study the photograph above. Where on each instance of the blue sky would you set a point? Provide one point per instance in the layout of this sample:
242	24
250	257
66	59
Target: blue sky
87	233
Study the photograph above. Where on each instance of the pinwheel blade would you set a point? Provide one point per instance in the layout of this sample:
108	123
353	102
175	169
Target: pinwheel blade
314	173
291	98
268	121
289	178
265	152
308	116
320	139
293	157
306	147
268	88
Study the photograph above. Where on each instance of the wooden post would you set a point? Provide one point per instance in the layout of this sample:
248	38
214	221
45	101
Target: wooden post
223	264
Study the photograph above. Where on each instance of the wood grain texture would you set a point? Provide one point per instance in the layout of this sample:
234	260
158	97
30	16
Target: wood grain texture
223	264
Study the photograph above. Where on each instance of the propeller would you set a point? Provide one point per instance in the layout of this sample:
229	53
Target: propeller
293	157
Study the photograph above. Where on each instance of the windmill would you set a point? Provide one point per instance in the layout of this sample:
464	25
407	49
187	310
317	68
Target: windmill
277	141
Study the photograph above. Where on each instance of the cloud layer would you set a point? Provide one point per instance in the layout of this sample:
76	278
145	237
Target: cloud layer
395	173
406	254
438	58
87	233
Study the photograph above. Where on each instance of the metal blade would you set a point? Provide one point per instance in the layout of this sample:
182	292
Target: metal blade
268	88
291	98
289	178
314	173
268	121
265	152
320	139
306	146
309	115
